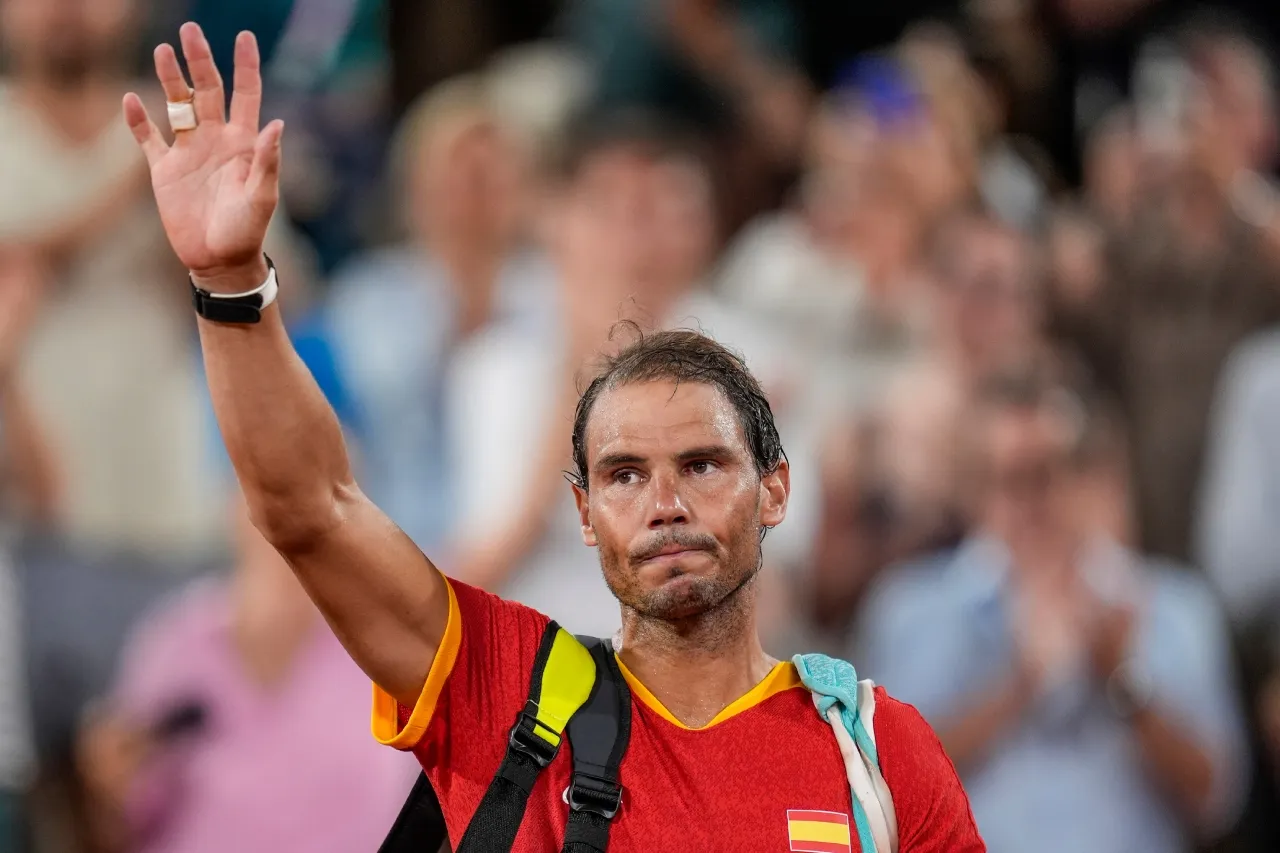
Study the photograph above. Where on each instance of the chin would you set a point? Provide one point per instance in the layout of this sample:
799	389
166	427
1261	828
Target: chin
683	596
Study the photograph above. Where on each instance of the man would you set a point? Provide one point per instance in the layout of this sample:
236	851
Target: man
1084	691
680	473
1192	273
236	673
890	481
632	227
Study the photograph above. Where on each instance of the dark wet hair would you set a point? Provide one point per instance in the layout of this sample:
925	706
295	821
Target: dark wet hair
682	355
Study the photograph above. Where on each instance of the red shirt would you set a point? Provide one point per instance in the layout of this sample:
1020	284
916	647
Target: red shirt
726	786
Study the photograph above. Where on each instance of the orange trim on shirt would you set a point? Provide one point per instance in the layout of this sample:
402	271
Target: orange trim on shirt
782	677
386	710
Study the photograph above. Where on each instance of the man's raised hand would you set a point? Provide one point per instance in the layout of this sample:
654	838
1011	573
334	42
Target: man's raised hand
217	185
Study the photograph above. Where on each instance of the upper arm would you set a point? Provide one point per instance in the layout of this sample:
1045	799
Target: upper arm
382	597
930	803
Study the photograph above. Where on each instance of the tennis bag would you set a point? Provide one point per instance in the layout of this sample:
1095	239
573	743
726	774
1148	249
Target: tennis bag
576	690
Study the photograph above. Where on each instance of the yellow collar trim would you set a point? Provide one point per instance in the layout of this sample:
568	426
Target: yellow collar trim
782	677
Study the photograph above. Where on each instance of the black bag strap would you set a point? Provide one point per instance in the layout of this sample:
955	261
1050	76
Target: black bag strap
497	819
419	828
598	738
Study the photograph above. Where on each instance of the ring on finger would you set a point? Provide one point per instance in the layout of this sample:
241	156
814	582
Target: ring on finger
182	114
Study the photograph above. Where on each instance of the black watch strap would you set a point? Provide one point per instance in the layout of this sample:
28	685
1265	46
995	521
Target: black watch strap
229	309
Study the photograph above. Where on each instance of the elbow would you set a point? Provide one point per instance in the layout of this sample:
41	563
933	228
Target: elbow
293	523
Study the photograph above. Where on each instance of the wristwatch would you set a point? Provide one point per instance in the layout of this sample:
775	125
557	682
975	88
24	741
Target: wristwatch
244	307
1129	690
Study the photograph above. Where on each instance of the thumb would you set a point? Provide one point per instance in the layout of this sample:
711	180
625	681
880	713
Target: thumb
263	184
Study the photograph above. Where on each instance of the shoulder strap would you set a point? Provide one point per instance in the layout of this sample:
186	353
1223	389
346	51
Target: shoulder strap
598	738
563	675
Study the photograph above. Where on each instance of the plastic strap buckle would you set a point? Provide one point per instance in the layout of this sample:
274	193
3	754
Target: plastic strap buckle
524	738
595	794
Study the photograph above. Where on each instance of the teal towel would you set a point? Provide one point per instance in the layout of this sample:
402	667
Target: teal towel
835	683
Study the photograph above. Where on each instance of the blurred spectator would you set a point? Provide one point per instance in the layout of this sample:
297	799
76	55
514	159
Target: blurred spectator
435	40
890	476
27	494
838	276
239	723
108	365
632	229
1084	691
727	67
398	314
1238	535
1192	273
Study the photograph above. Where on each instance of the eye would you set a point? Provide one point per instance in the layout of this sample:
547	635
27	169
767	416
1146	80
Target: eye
702	466
626	477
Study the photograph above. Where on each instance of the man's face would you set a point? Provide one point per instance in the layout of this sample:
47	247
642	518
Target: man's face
675	504
635	224
66	39
467	182
988	297
1027	481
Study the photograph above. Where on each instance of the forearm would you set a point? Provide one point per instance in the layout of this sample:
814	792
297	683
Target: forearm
1175	760
27	453
969	738
281	434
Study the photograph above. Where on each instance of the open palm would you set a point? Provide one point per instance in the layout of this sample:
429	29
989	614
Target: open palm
216	186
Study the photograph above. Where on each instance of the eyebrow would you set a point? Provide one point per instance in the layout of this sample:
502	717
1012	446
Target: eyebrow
707	451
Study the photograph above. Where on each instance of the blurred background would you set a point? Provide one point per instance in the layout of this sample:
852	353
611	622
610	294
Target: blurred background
1009	271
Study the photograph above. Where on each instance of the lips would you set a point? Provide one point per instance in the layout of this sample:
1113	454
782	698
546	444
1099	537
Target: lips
671	554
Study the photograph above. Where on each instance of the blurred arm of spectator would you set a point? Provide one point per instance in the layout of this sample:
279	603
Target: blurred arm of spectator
774	96
1185	759
96	218
1239	540
130	770
22	444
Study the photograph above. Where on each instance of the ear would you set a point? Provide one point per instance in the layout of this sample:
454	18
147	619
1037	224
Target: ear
584	515
775	490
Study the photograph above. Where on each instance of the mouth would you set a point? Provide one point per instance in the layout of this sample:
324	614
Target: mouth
672	555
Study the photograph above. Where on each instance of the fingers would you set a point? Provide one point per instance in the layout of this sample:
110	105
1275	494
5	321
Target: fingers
170	75
144	129
263	184
210	100
246	97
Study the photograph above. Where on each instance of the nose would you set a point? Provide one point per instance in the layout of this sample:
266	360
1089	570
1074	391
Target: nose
668	507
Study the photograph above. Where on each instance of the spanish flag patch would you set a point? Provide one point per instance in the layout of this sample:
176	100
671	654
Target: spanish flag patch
818	832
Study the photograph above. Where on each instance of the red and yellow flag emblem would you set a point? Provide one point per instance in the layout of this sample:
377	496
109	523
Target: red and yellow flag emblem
818	832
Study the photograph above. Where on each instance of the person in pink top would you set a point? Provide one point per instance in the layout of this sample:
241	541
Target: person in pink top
238	723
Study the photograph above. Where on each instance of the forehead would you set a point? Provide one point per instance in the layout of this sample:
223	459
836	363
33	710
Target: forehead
662	417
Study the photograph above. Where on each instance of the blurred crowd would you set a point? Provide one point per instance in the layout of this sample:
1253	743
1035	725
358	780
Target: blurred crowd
1008	270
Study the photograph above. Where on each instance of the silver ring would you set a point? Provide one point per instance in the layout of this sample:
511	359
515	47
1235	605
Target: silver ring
182	115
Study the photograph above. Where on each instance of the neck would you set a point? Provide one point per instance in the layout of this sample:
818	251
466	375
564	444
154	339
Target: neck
1051	559
698	666
77	109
